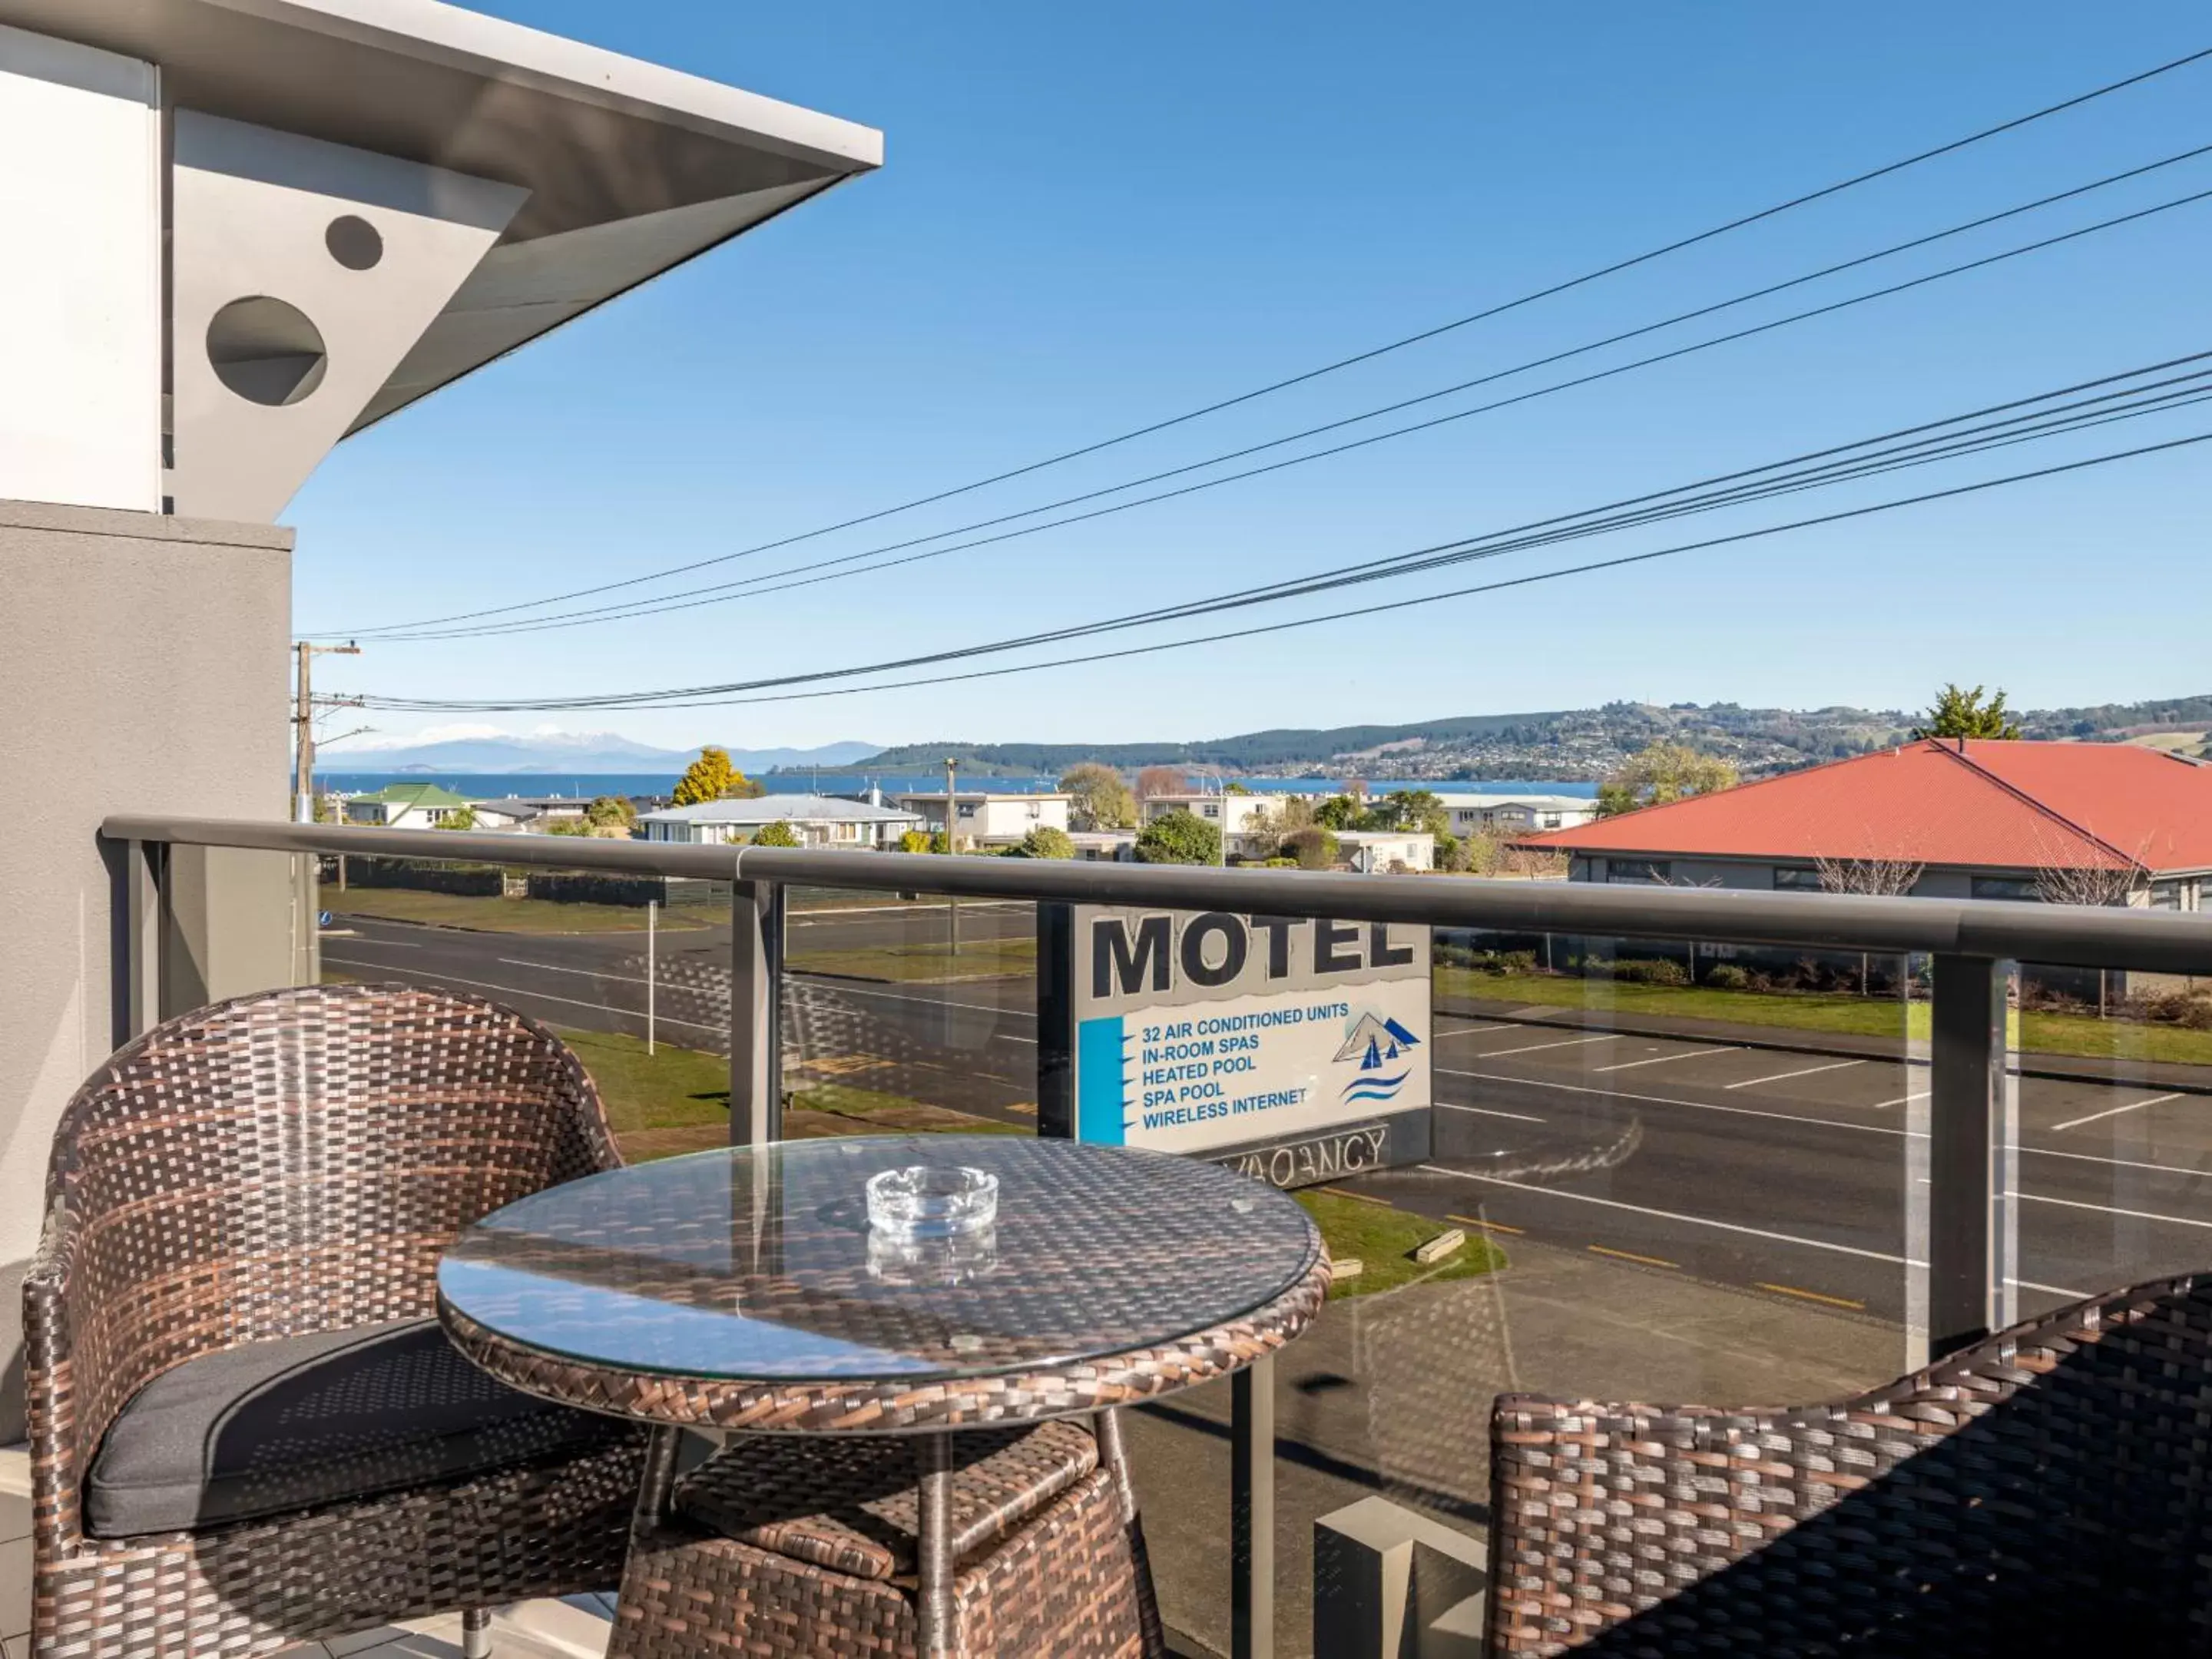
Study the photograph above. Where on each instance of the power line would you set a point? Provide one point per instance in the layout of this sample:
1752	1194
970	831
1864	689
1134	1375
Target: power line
1728	490
1445	554
799	576
1484	315
2189	388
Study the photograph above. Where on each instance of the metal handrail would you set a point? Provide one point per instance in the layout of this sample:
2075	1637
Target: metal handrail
2084	935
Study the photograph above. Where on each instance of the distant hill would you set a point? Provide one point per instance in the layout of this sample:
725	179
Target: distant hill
1568	744
582	752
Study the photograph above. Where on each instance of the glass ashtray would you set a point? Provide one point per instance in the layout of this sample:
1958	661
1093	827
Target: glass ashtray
916	1262
926	1200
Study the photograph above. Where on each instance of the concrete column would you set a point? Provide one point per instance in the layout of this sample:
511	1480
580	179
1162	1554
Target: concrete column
1392	1584
143	669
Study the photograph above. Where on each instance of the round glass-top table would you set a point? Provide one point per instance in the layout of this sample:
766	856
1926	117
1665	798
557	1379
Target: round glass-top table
746	1290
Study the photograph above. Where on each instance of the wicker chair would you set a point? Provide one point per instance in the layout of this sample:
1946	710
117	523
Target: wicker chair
2046	1491
227	1192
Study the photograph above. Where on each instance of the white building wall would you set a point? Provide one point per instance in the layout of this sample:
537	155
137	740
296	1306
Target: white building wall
80	275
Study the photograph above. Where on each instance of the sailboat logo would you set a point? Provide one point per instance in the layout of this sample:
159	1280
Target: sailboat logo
1378	1048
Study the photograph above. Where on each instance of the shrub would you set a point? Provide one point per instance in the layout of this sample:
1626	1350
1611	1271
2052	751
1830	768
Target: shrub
1727	976
1516	961
1045	842
1659	971
1313	847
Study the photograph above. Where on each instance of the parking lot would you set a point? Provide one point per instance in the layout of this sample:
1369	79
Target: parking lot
1797	1173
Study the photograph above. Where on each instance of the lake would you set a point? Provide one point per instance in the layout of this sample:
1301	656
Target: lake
486	786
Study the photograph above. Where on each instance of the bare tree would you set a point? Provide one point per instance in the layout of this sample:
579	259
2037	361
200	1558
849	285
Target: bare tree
1878	878
1883	878
1161	781
2111	876
1533	863
2114	878
2108	884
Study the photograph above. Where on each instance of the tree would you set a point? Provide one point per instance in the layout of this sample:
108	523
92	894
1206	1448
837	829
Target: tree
1881	878
1340	813
1236	786
1661	773
1411	809
711	777
611	812
1161	781
918	841
1179	838
779	834
462	818
1960	714
1102	800
1046	843
572	827
706	779
1313	846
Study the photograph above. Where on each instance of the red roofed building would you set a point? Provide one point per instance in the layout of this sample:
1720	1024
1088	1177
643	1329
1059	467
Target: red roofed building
1960	818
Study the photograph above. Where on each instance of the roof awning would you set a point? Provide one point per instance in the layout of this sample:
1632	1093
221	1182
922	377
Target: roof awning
631	168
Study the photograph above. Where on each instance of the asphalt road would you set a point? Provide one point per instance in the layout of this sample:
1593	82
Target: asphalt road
969	1046
1792	1174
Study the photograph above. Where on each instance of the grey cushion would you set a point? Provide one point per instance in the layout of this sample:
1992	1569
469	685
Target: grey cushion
273	1427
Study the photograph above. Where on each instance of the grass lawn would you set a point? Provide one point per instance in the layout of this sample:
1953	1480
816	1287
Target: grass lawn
504	916
927	960
1383	1237
2081	1036
677	1100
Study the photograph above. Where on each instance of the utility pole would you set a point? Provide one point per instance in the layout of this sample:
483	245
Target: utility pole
951	903
303	716
652	970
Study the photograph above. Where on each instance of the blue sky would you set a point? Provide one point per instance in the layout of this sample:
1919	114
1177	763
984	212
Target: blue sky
1093	217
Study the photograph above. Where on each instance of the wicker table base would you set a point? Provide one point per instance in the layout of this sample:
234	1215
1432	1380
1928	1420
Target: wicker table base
1068	1582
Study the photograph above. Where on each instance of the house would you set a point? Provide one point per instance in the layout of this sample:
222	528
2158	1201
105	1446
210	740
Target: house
1392	852
1946	818
1513	815
1231	814
817	820
1104	846
507	813
534	812
982	818
409	806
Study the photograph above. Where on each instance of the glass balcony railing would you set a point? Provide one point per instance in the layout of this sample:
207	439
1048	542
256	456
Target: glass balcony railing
1589	1144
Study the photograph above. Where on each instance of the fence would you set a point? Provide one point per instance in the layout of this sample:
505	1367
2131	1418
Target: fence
1953	958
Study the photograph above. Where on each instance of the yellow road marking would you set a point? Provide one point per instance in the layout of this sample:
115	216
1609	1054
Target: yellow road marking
1339	1191
1810	1296
1491	1226
1630	1255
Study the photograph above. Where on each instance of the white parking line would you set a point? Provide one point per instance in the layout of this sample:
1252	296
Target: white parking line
1784	1077
2107	1209
1565	1042
2123	1163
1485	1111
908	996
2132	1106
1903	1100
1660	1059
1671	1215
1477	1030
535	996
1694	1105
